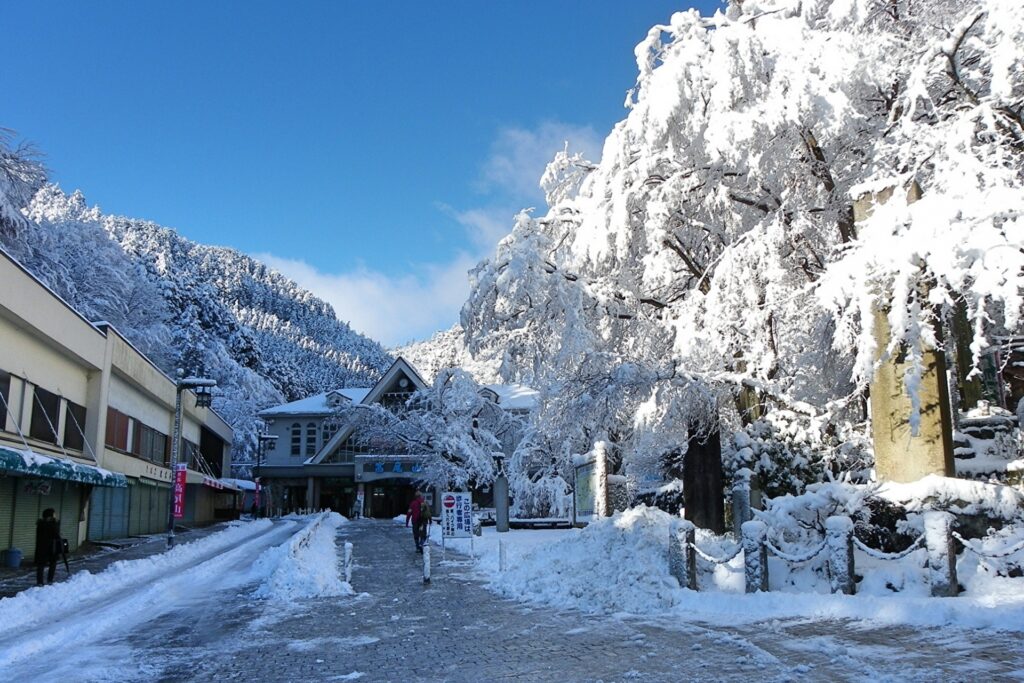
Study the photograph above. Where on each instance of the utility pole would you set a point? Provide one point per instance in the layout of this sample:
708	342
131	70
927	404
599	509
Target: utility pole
202	387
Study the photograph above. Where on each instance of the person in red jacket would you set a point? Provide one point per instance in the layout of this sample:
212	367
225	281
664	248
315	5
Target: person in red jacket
419	524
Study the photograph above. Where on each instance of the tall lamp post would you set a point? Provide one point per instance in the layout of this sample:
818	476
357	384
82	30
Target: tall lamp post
266	442
202	387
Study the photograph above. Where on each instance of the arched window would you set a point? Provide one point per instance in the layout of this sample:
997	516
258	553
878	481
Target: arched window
310	439
296	439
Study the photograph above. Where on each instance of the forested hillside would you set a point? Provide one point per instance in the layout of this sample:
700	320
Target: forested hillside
204	310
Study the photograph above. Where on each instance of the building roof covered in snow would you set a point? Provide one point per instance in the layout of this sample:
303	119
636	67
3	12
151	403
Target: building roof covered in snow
320	404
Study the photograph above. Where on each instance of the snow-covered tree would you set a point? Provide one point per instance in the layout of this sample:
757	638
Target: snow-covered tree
716	237
451	422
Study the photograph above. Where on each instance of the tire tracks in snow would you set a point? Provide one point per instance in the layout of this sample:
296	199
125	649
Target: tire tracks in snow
135	602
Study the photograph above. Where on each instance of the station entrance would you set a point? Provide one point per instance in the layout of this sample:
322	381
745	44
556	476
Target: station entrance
388	498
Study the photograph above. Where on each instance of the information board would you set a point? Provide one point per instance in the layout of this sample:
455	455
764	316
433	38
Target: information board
583	498
456	514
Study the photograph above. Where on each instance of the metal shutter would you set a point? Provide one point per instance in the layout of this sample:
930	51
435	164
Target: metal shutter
26	512
6	510
69	510
135	527
118	518
99	512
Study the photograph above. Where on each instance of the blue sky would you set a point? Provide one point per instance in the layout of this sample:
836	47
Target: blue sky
373	151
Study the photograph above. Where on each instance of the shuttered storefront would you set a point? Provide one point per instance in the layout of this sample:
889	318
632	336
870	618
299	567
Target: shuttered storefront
26	512
135	495
69	511
108	513
7	485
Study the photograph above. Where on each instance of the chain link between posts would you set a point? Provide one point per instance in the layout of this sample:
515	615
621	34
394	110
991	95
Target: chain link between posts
795	559
879	555
993	555
717	560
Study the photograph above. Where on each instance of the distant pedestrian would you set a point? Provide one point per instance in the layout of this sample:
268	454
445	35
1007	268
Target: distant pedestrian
48	546
414	514
424	524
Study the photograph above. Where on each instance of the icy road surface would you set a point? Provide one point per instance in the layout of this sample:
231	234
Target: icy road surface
203	624
95	627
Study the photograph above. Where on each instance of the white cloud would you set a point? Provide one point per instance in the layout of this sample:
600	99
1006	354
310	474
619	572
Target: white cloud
397	308
393	309
519	156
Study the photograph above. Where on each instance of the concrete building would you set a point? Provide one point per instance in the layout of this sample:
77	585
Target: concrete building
318	461
85	426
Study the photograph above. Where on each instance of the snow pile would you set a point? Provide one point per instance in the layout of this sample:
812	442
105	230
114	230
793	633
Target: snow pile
616	564
306	566
620	564
959	496
37	605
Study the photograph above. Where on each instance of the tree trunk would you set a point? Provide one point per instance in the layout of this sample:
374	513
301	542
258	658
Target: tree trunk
702	482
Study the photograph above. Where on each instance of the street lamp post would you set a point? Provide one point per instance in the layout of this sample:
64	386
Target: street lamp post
266	441
204	398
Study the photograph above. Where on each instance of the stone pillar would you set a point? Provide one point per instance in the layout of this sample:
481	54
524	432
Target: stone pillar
348	563
839	539
682	559
501	503
602	507
901	454
938	537
310	487
755	556
741	500
426	562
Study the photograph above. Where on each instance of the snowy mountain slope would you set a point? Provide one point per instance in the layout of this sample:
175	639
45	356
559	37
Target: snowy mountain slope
208	310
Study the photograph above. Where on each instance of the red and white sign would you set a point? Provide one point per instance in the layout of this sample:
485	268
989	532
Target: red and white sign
457	514
180	479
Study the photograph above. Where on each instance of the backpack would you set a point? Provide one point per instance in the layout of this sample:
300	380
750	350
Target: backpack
425	512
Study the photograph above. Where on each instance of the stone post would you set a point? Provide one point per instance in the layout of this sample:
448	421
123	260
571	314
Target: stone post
426	563
839	538
938	538
901	453
348	562
602	508
682	559
741	500
501	502
755	555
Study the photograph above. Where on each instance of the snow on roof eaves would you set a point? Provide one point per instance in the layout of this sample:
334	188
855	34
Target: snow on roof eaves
315	405
514	396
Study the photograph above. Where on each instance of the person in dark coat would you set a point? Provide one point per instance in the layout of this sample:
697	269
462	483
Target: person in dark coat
48	545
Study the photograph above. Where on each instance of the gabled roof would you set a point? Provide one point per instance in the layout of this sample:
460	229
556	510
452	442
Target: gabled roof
400	366
315	405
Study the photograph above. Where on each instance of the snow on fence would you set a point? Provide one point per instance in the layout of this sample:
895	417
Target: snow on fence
839	542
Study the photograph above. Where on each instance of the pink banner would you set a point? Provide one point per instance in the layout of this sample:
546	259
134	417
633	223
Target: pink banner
180	478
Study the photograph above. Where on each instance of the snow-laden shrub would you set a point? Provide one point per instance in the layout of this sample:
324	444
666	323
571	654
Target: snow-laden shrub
787	450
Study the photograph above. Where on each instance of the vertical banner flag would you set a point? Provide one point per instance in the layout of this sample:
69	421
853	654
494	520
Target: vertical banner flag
456	514
180	477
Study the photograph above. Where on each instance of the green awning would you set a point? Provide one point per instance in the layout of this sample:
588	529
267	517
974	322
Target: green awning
26	463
